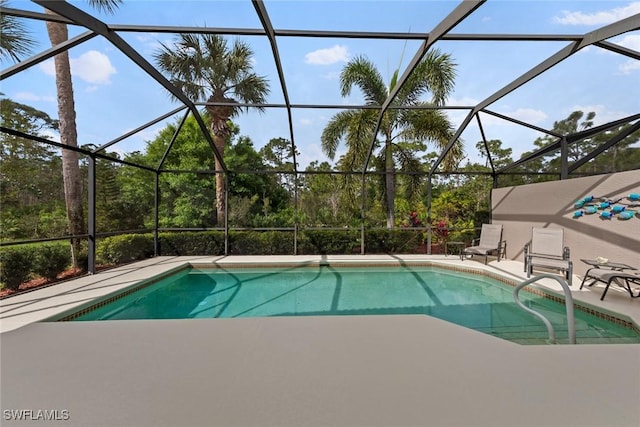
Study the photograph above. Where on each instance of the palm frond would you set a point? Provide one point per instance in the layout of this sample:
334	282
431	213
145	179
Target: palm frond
334	131
359	136
435	74
412	183
108	6
432	126
362	73
15	40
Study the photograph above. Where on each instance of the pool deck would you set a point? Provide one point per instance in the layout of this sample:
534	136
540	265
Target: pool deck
313	371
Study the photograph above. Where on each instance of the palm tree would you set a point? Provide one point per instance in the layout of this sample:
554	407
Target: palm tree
14	38
205	68
402	131
58	33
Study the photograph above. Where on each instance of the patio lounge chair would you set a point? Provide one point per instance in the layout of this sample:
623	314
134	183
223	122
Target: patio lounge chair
622	278
546	249
490	241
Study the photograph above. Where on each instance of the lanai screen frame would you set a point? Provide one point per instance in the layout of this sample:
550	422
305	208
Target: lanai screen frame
72	15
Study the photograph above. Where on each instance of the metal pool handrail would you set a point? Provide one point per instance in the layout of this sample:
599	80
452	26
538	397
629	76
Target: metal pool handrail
571	325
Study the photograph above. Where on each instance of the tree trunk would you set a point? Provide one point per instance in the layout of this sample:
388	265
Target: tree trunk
390	185
68	136
220	114
219	141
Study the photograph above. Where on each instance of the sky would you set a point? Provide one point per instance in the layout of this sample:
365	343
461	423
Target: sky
113	96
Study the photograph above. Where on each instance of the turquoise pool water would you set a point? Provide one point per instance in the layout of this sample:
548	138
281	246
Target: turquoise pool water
473	301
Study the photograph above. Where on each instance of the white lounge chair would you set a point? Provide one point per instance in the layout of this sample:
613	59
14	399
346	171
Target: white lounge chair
622	278
490	241
547	250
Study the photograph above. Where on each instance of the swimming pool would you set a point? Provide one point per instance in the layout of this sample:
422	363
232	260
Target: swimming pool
470	300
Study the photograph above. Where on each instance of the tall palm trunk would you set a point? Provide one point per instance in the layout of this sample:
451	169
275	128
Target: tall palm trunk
68	135
390	183
219	141
220	131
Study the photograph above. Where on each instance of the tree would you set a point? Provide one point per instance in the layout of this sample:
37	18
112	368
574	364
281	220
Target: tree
187	196
402	131
30	175
625	155
278	154
500	157
186	199
328	199
14	37
205	68
257	195
58	33
621	156
569	126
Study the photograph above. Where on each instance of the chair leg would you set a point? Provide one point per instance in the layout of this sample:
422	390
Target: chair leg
605	290
583	280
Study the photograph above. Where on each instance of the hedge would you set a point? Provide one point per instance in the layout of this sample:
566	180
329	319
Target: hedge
192	243
19	264
124	248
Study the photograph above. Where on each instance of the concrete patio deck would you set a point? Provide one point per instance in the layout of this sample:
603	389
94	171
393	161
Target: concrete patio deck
317	371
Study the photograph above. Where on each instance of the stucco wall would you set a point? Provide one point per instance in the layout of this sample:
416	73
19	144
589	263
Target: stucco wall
551	204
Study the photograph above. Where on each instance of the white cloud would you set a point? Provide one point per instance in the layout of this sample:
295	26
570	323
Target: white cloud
629	66
602	17
528	115
305	122
32	97
465	101
328	56
48	67
630	41
92	67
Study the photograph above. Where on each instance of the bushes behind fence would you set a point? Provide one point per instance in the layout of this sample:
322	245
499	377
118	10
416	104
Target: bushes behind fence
18	264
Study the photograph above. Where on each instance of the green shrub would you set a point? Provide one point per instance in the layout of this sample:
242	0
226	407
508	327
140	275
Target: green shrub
277	242
336	242
82	259
192	243
15	266
51	259
261	243
393	241
125	248
245	243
